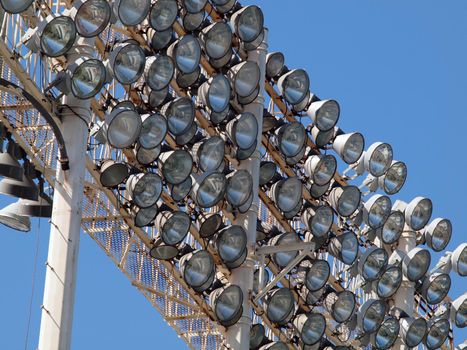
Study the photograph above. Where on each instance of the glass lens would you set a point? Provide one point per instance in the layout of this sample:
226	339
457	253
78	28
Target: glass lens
343	308
389	282
250	23
349	249
211	190
187	54
322	220
129	64
153	131
416	332
124	129
387	334
160	72
180	191
437	334
247	79
438	289
375	264
328	115
198	269
58	36
218	40
313	329
15	6
280	306
88	79
267	171
283	258
289	194
393	227
394	178
180	115
177	167
353	148
317	275
374	316
325	170
418	265
379	212
211	154
231	244
92	18
146	156
161	39
228	303
275	63
147	190
239	188
175	228
132	12
421	214
441	235
163	14
219	93
348	201
380	160
461	315
245	131
145	216
296	86
292	139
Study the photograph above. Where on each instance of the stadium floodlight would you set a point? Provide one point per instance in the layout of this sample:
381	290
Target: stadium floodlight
57	36
208	189
297	158
438	331
282	259
164	252
198	270
209	154
145	216
275	63
438	234
376	210
144	189
227	304
418	212
317	275
26	188
10	218
291	138
158	98
193	21
231	246
194	6
257	335
217	40
9	165
41	208
349	146
131	12
389	282
318	220
215	93
189	137
394	178
459	311
15	6
153	130
92	17
180	115
176	166
180	191
126	62
459	260
387	334
294	86
412	331
123	126
287	193
248	23
415	263
267	172
187	80
244	80
113	173
322	138
163	14
321	168
159	71
372	263
393	227
345	200
243	130
378	158
146	156
87	77
280	306
173	226
186	52
311	327
344	247
435	287
160	40
341	305
317	191
324	114
371	314
239	187
209	224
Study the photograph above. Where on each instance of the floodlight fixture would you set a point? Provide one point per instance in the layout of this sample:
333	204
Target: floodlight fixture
287	193
217	40
163	14
144	189
9	165
173	226
459	260
208	189
164	252
180	191
324	114
282	259
92	17
186	52
193	21
378	158
157	98
145	216
198	270
10	218
438	234
176	166
244	80
376	210
291	138
349	146
459	311
371	314
215	93
243	130
131	12
209	224
280	306
435	287
394	178
415	264
126	62
311	327
180	114
341	305
146	156
275	63
345	200
317	275
294	86
113	173
372	263
322	138
26	188
393	227
57	36
189	137
231	243
412	330
438	331
160	40
153	130
321	168
267	172
87	77
227	304
316	191
15	6
209	154
387	334
389	282
224	6
123	126
344	247
239	187
159	71
318	220
248	23
418	212
257	335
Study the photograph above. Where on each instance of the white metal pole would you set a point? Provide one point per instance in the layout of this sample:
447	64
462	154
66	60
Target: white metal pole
62	259
238	335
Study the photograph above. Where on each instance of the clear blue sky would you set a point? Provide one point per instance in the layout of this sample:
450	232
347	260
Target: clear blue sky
398	69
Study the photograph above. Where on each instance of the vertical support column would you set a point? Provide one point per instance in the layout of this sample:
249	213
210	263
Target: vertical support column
62	259
238	335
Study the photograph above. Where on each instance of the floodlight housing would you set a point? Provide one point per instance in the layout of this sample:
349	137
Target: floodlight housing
239	187
113	173
418	212
372	263
231	246
209	154
227	304
344	247
186	52
243	130
208	189
287	193
387	334
435	287
322	138
412	330
92	17
173	226
257	335
193	21
163	14
349	146
153	130
180	114
394	179
324	114
311	327
459	260
275	63
389	282
415	263
438	331
159	71
393	227
248	23
176	166
342	305
215	93
209	224
10	218
377	210
144	189
180	191
282	259
126	62
160	40
58	36
217	40
15	6
244	80
294	86
131	12
291	138
438	234
321	168
146	156
317	275
163	252
345	200
26	188
459	311
41	208
198	270
280	306
371	314
378	158
87	77
123	126
145	216
267	172
318	220
9	166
